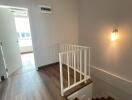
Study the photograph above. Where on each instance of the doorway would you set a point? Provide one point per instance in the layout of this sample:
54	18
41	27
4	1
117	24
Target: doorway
19	40
24	38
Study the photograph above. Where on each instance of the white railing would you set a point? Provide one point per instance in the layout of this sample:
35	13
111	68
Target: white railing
76	58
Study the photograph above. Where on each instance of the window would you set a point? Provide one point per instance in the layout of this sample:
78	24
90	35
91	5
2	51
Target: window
23	28
23	31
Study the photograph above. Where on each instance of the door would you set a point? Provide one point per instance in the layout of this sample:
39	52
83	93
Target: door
8	37
2	63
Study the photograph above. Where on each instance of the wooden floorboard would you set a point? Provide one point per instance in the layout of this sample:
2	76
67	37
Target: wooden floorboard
33	85
43	84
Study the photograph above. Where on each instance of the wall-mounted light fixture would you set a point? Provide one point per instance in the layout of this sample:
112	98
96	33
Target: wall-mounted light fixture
114	34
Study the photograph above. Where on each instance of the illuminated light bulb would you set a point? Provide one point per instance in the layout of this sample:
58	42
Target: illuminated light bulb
114	35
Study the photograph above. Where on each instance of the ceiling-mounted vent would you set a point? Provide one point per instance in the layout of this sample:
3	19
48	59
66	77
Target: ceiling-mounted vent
45	9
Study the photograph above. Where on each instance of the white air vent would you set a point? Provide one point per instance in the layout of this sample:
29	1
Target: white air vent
45	9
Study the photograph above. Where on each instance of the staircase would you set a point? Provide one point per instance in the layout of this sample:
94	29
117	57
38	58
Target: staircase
75	78
83	91
103	98
76	83
77	88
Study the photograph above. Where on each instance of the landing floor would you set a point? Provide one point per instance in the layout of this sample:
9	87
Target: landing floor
33	85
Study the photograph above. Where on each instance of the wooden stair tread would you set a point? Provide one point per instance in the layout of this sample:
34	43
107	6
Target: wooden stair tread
78	87
76	99
102	98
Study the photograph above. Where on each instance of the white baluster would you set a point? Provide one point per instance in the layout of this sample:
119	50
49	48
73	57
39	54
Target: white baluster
80	65
74	67
72	56
85	64
89	62
61	75
68	70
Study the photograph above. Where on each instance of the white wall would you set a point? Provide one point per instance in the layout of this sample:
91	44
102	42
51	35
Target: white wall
48	30
97	18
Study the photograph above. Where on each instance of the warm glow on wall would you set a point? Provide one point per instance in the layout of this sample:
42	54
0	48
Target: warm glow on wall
114	35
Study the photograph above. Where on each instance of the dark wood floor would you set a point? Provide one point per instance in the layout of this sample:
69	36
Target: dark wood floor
33	85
